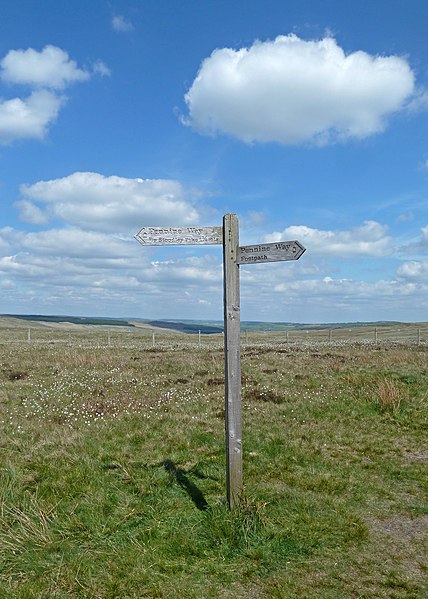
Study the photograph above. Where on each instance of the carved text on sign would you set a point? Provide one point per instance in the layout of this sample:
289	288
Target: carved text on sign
270	252
180	235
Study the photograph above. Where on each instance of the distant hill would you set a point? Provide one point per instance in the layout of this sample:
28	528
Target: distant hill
208	327
112	322
187	327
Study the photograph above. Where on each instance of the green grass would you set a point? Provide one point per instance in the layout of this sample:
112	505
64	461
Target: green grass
113	470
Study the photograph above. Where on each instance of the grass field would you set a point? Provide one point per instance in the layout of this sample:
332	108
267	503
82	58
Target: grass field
112	463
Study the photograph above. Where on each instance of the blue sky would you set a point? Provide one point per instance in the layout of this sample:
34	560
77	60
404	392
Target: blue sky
306	119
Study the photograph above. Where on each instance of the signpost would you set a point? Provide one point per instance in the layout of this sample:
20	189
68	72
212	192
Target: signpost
233	256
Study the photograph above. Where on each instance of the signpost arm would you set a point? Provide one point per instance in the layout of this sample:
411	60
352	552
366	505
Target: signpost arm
233	408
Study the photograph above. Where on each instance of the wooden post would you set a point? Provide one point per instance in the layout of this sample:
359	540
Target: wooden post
419	336
153	339
286	336
375	334
199	335
232	365
29	334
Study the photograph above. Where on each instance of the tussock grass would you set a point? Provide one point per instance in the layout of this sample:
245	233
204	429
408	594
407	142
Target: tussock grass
389	397
112	470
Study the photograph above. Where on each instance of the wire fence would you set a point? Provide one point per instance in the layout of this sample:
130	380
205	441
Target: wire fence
409	334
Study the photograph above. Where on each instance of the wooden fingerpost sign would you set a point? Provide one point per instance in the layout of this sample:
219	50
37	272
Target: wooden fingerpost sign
233	256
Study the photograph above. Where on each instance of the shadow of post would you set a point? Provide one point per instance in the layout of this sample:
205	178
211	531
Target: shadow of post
179	475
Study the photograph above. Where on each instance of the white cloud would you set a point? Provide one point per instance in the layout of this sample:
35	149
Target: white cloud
100	68
29	117
70	270
70	265
413	271
292	91
287	296
345	289
419	101
31	213
67	257
50	68
121	25
417	246
75	243
47	72
192	270
370	239
93	201
405	217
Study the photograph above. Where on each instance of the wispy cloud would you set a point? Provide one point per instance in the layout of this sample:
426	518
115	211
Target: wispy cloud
121	24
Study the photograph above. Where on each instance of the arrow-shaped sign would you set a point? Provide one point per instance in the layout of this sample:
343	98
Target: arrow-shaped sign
270	252
180	235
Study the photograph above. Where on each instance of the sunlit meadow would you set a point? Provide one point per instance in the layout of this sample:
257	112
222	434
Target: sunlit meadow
113	465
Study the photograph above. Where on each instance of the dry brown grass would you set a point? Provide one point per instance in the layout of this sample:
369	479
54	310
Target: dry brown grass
388	395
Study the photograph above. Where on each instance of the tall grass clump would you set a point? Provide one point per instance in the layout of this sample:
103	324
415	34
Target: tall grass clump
388	396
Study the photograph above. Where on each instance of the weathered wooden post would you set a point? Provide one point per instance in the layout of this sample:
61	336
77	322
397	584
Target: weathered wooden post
232	361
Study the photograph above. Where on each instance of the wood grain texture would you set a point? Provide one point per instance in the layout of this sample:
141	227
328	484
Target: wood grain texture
232	326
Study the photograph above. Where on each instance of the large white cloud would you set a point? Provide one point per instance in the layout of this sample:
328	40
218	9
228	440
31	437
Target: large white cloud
28	117
369	239
291	91
50	68
94	201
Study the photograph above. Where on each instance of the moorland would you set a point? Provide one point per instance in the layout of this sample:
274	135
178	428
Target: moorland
112	463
